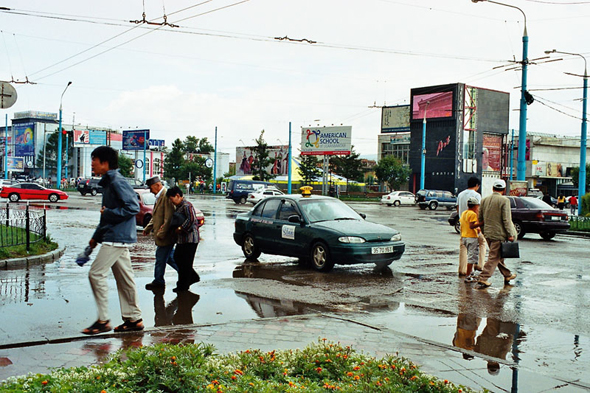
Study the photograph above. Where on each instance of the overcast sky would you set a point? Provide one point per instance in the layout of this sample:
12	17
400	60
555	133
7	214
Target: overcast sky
223	66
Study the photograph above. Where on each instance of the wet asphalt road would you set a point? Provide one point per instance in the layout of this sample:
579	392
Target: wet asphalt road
541	322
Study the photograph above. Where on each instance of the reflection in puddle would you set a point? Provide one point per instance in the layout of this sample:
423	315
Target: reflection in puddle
266	307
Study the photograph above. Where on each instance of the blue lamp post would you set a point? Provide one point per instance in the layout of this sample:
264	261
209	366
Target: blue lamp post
59	138
423	155
582	174
525	97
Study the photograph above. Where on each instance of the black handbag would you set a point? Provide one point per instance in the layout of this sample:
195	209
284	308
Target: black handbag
177	220
509	250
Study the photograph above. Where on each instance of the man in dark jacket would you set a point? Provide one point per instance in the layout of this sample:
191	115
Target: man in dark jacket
116	231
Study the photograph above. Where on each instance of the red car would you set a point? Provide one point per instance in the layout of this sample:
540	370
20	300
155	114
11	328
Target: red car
16	192
146	207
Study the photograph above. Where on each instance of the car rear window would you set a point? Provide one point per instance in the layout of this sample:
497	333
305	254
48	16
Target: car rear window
534	203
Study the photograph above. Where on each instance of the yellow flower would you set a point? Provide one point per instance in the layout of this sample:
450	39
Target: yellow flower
356	377
350	374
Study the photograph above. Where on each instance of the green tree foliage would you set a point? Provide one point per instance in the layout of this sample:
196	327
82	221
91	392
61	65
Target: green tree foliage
192	144
125	165
391	171
575	173
51	156
348	166
196	168
175	160
261	160
309	168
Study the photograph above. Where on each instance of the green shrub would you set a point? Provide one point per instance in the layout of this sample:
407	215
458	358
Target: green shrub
320	367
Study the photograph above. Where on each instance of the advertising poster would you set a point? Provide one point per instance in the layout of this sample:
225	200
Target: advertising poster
395	118
245	160
434	105
326	140
518	188
491	159
23	139
98	137
16	164
81	137
135	139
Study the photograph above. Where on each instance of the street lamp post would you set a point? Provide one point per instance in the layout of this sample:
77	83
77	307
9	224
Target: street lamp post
59	143
582	173
521	164
423	156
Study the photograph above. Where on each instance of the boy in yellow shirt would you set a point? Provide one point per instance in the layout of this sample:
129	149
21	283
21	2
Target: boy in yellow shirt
469	231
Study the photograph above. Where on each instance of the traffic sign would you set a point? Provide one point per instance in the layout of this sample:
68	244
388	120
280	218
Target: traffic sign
7	95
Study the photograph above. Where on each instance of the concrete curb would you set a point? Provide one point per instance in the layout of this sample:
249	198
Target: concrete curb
33	260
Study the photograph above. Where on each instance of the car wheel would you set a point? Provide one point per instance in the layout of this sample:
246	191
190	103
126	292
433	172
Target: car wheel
249	247
243	200
14	197
53	198
83	193
423	207
382	265
93	192
519	230
146	220
548	235
320	257
396	203
433	205
458	226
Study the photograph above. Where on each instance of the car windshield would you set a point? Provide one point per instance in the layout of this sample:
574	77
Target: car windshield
317	210
148	198
534	203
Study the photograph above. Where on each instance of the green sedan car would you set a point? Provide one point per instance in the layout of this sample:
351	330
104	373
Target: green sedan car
316	229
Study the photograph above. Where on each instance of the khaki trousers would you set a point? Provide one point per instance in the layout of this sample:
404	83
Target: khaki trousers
494	260
463	255
117	259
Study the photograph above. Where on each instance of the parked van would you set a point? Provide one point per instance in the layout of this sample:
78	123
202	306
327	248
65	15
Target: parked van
238	190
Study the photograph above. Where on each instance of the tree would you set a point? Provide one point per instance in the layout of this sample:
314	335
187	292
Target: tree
192	144
309	169
125	165
261	160
51	156
175	160
348	166
575	174
391	170
196	168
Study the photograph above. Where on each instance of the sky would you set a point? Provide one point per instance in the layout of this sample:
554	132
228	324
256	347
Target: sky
224	67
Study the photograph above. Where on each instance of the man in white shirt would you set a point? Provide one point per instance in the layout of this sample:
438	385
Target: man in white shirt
473	185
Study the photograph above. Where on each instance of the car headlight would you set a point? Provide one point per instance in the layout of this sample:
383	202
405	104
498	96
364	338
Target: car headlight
396	238
351	239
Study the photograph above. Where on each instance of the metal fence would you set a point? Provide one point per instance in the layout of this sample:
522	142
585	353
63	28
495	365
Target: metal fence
22	225
580	223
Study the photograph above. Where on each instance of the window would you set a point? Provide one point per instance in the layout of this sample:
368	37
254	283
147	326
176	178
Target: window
270	208
399	150
258	210
287	209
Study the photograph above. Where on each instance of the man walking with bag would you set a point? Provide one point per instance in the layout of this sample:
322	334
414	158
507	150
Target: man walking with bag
163	236
496	219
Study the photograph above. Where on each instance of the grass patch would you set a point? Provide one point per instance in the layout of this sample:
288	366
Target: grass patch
38	248
320	367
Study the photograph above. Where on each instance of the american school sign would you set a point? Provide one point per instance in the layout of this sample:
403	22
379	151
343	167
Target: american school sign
326	140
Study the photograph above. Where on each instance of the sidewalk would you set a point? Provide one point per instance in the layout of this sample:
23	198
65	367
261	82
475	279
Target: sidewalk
443	361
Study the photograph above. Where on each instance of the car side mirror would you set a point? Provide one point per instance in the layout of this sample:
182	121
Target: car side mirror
295	219
363	215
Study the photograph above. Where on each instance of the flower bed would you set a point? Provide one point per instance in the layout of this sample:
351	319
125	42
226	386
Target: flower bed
320	367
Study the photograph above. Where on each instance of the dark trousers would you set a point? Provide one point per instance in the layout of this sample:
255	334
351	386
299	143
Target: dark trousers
184	254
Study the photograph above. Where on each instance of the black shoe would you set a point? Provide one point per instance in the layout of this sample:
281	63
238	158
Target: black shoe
154	285
195	280
177	290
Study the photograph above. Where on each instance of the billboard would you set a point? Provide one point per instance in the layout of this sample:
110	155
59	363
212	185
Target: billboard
89	137
326	140
156	143
245	160
16	164
491	157
23	139
135	139
395	118
433	105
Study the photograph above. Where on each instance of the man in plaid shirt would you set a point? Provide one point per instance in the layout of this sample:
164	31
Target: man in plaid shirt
185	224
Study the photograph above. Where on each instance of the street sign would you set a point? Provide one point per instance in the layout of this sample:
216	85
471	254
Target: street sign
209	163
7	95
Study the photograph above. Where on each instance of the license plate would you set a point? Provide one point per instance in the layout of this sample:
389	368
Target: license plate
555	218
382	250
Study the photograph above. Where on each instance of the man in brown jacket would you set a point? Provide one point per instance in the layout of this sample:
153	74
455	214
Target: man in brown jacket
164	238
496	217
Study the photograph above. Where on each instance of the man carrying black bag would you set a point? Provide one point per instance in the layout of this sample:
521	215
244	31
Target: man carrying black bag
497	226
184	222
